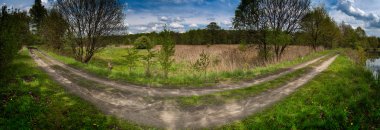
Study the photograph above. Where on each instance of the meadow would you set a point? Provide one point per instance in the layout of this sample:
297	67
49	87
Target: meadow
228	64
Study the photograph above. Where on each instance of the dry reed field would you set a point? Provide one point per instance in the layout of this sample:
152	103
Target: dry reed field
230	57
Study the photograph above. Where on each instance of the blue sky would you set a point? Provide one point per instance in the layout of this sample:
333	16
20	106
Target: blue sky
182	15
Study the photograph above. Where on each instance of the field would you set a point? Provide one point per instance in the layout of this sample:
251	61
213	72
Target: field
41	103
228	63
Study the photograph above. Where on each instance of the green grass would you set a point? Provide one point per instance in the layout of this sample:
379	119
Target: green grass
31	100
343	97
180	76
193	102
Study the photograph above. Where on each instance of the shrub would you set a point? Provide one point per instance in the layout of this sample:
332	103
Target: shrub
202	63
166	53
143	42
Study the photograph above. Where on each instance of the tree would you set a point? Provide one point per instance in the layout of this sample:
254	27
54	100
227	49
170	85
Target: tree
271	16
150	55
38	13
249	17
14	31
143	42
318	27
53	29
166	53
349	35
213	29
213	26
131	58
89	21
283	16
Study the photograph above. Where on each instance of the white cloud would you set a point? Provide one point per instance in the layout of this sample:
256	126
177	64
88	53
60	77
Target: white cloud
176	25
347	6
193	25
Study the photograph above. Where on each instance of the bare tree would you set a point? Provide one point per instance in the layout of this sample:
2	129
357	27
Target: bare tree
249	16
88	21
271	17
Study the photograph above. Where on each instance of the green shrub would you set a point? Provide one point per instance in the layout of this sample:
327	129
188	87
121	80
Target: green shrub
143	42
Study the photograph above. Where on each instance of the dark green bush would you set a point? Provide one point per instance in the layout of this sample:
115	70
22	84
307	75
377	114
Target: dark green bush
143	42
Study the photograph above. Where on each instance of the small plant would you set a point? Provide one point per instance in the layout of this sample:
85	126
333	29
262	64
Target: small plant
243	45
144	42
148	58
131	58
202	63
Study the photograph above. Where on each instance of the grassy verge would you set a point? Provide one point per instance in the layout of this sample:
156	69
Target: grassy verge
343	97
194	102
31	100
180	76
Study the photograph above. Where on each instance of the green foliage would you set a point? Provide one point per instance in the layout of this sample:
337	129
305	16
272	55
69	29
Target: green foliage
180	71
166	53
38	13
14	31
202	63
31	100
319	29
53	30
143	42
352	103
243	45
148	59
280	38
131	58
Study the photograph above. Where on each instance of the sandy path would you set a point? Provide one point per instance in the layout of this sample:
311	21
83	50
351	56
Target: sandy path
162	92
166	114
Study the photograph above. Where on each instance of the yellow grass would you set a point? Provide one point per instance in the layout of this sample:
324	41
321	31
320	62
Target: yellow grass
230	57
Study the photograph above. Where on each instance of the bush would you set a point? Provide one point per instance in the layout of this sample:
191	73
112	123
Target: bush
143	42
14	30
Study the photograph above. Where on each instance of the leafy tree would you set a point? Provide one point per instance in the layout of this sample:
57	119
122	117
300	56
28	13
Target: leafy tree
166	53
318	27
14	31
143	42
38	13
213	26
279	38
150	55
131	58
90	21
213	29
53	29
349	36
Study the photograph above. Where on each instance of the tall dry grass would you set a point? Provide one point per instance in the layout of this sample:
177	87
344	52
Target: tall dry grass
230	57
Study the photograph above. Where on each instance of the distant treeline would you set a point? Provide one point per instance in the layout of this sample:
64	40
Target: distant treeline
208	37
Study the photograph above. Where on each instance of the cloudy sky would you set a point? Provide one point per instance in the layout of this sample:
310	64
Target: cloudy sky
182	15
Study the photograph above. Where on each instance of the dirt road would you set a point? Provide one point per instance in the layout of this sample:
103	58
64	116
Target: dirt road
165	113
162	92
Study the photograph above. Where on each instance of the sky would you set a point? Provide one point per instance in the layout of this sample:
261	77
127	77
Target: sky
142	16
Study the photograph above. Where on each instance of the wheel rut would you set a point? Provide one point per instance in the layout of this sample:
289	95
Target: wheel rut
163	92
162	113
